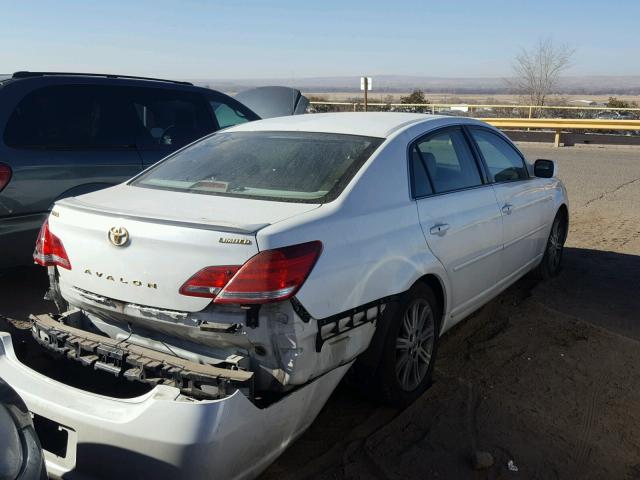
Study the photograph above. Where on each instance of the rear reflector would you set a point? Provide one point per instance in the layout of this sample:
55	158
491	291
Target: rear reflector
49	249
269	276
5	175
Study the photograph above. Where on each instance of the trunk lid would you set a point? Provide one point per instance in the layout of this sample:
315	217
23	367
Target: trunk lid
169	237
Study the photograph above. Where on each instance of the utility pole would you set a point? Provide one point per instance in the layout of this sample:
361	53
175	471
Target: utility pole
366	87
365	84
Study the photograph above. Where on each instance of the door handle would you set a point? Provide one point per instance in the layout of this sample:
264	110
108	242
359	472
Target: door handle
439	229
507	208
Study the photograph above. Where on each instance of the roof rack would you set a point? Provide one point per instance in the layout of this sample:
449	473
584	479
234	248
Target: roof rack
25	74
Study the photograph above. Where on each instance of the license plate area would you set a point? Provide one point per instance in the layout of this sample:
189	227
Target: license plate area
54	437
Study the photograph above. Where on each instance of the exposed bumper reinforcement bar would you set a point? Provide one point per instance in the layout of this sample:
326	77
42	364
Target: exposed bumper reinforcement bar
137	363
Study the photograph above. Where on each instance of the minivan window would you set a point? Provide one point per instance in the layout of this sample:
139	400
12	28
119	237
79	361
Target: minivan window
227	116
448	161
170	118
505	164
71	116
301	167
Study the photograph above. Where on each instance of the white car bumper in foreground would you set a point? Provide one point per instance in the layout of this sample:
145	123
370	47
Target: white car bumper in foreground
162	434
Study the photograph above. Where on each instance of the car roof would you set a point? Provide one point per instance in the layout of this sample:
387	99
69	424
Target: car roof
370	124
62	78
27	74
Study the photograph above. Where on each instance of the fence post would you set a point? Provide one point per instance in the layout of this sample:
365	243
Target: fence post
355	107
556	138
530	111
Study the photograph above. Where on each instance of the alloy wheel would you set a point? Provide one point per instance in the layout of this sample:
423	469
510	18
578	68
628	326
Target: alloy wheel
554	250
414	344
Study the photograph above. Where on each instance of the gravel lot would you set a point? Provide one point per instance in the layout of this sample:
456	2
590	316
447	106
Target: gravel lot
546	376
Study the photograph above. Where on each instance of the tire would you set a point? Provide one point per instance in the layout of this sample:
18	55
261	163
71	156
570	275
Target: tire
406	364
551	263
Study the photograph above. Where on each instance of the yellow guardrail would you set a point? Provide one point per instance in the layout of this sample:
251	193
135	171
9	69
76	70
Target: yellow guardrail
525	121
560	124
477	106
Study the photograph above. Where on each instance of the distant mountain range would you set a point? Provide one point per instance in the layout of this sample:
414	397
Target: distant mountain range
629	85
591	85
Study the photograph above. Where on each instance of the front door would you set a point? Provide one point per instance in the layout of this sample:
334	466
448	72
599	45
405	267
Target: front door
524	203
459	216
168	120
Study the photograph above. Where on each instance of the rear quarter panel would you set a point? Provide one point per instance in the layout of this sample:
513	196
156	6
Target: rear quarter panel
373	245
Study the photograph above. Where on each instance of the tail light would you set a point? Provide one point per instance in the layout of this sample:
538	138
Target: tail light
269	276
49	249
209	281
5	175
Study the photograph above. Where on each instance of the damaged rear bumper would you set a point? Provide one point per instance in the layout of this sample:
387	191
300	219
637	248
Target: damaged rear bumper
162	434
136	363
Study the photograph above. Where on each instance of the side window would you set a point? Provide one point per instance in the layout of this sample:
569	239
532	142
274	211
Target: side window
227	115
505	164
421	183
448	161
169	118
71	117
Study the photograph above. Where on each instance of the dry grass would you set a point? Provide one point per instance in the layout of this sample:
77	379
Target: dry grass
462	98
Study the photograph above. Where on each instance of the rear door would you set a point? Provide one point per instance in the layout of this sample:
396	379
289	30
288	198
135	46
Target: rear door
459	215
66	140
524	203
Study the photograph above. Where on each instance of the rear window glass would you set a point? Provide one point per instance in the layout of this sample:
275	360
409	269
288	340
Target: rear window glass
283	166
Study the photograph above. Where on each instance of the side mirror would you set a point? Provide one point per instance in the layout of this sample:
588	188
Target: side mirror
544	168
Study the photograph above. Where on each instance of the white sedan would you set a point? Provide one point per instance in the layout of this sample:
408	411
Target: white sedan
240	278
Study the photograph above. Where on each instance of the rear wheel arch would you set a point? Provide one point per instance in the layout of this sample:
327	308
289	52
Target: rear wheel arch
435	283
367	362
82	189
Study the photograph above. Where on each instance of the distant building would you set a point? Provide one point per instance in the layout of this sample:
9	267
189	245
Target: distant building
584	102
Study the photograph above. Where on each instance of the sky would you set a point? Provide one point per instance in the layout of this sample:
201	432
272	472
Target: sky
198	39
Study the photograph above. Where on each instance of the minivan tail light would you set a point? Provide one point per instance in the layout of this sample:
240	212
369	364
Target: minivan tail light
5	175
269	276
49	249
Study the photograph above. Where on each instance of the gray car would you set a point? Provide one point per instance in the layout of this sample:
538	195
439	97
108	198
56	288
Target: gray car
63	135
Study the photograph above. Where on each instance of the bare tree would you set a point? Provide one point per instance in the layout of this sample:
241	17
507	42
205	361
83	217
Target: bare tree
536	71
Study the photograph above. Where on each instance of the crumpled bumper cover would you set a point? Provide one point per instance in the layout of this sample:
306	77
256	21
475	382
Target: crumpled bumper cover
163	434
136	363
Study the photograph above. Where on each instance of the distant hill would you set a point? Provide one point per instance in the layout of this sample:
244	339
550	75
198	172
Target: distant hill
584	85
629	85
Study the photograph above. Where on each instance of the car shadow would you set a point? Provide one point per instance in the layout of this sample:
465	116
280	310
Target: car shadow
599	287
22	291
595	286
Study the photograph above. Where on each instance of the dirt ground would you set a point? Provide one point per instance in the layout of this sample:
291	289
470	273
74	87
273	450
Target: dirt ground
546	376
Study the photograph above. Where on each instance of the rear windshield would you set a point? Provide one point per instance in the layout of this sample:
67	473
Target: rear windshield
301	167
